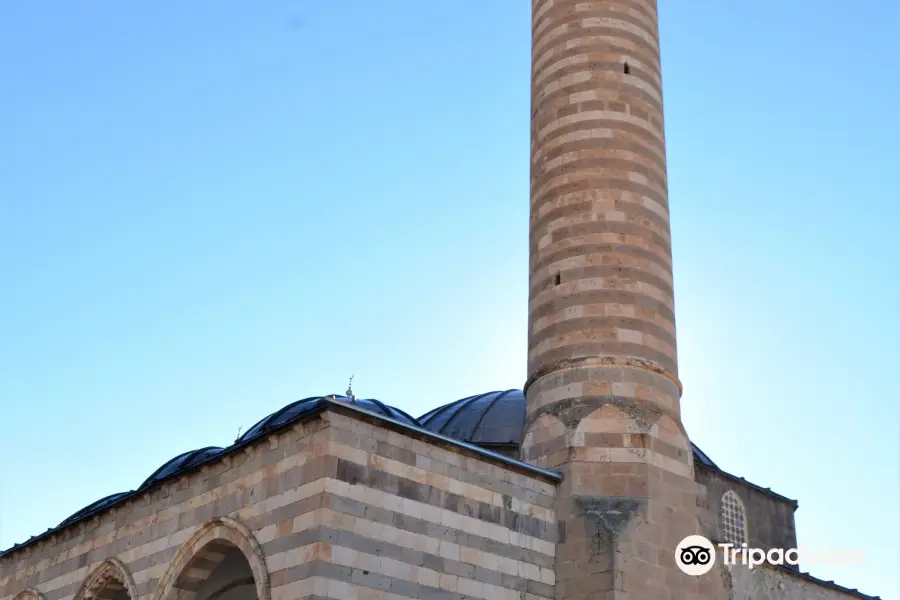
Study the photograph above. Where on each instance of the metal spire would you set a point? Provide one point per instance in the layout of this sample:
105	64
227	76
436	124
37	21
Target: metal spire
349	392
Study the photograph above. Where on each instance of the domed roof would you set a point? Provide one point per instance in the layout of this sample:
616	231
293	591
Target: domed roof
92	508
180	462
295	409
187	460
170	467
493	419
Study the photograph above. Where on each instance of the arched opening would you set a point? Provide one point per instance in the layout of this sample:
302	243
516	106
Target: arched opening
221	561
220	571
109	581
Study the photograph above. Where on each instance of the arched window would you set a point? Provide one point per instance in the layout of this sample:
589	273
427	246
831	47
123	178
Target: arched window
734	519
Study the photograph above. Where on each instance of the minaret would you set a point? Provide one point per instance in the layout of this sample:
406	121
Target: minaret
603	395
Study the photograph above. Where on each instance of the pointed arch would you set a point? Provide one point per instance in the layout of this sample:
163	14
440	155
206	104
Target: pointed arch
29	594
106	582
204	551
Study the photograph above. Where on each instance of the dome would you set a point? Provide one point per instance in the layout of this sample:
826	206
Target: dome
180	462
300	407
494	419
189	459
92	508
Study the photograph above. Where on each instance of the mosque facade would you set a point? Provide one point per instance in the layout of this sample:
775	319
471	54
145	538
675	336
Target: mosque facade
582	485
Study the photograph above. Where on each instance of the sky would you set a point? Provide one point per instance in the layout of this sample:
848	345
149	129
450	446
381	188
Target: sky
210	209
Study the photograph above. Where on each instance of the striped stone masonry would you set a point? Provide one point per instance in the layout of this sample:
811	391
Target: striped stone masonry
603	395
601	267
335	507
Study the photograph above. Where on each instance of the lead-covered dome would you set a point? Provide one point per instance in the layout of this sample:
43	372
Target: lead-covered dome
95	507
192	458
491	419
494	420
181	462
296	409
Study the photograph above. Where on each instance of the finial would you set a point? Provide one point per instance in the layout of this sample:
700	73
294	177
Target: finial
349	392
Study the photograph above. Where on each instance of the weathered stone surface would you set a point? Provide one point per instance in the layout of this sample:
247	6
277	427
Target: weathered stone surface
769	583
770	518
603	396
352	508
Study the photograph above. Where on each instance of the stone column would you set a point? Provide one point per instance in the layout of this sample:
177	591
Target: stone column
603	391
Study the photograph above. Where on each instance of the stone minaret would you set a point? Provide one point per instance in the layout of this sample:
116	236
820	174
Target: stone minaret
603	393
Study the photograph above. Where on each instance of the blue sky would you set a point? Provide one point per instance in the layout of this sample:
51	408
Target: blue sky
210	209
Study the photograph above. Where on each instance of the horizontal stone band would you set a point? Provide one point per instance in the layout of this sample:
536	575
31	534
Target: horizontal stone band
604	361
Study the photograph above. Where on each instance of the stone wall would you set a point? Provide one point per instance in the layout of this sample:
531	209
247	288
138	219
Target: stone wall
259	488
326	508
420	518
771	583
770	519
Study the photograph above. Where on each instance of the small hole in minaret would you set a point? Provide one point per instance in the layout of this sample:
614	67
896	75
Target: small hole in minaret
557	280
627	69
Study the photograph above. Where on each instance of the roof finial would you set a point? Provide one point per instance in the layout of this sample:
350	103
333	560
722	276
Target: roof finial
349	392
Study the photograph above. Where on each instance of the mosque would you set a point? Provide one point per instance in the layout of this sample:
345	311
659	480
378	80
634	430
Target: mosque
582	485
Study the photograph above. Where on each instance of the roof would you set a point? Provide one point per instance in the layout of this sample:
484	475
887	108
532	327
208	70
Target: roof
768	491
487	419
179	463
186	460
475	423
279	420
495	419
294	409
